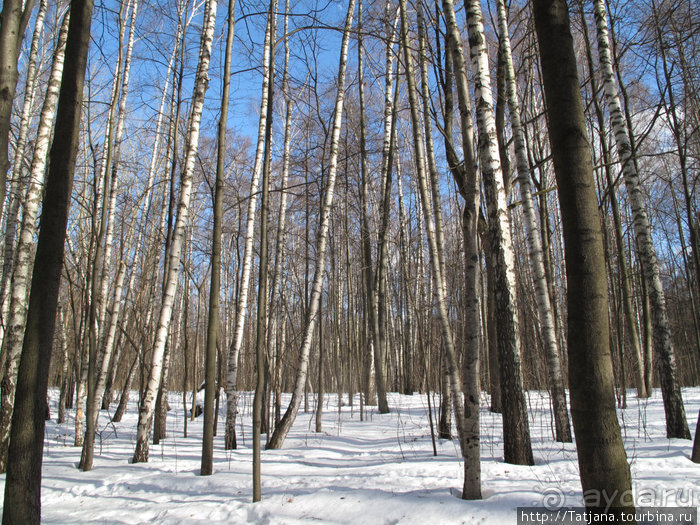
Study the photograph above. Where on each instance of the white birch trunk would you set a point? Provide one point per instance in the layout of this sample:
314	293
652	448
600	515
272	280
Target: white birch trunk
141	243
676	424
281	431
23	253
380	286
165	315
469	184
435	247
98	362
374	283
108	335
121	117
242	302
517	447
276	316
105	183
18	163
534	245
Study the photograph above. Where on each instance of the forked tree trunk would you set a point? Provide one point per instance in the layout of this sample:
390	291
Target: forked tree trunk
285	424
676	424
386	176
23	481
468	181
534	246
170	279
601	455
100	355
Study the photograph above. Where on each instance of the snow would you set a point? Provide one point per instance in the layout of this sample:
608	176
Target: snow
379	471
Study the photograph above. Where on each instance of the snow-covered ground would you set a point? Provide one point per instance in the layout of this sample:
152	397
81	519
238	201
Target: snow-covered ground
377	471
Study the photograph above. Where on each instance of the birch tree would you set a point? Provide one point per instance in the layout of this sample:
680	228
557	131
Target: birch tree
261	320
516	428
276	313
22	274
311	314
170	278
244	283
376	343
144	243
13	23
99	356
387	165
676	423
468	180
467	422
534	246
15	198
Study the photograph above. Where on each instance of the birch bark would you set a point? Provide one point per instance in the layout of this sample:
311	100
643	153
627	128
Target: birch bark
23	252
373	280
276	314
285	424
100	355
18	163
244	284
13	22
468	435
468	180
170	284
516	428
542	294
676	423
261	318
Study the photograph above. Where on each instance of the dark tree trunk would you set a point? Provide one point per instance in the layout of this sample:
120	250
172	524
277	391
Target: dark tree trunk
124	399
211	389
601	454
23	481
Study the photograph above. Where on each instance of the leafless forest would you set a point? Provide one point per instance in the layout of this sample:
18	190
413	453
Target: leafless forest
331	198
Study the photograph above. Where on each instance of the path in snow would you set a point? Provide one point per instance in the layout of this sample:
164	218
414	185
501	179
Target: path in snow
378	471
